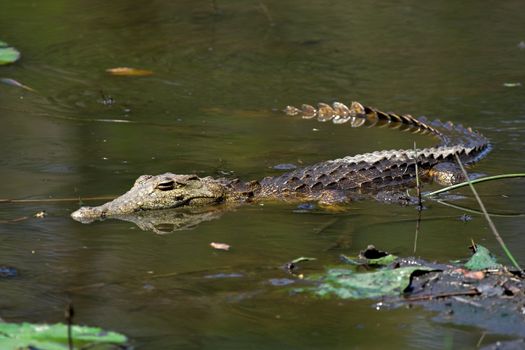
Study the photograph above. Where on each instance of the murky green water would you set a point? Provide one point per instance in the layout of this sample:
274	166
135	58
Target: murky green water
221	70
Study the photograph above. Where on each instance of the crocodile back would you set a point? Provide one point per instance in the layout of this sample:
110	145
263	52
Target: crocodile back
376	171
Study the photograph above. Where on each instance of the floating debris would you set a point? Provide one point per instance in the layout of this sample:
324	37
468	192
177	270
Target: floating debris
224	275
465	218
220	246
285	166
41	214
291	266
8	271
130	72
279	282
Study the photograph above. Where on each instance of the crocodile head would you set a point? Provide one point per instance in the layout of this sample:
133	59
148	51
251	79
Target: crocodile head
158	192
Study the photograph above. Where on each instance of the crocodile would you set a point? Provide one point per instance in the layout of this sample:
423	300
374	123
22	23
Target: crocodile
382	175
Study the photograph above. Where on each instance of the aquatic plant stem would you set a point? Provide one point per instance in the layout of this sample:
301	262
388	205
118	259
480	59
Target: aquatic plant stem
419	200
487	217
482	179
418	183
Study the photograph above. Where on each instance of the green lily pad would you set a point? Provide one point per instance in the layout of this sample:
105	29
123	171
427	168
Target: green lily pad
8	54
55	337
344	283
482	259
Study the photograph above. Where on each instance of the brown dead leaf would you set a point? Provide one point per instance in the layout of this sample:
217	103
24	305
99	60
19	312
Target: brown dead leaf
130	72
220	246
476	275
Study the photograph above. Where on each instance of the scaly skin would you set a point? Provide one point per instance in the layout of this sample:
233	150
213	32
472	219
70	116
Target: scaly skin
380	174
158	192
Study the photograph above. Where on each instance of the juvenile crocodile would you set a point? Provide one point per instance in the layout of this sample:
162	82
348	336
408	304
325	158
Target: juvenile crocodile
380	174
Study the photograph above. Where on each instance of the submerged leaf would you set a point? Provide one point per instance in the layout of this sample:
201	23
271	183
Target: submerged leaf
345	284
8	54
55	337
482	259
386	260
127	71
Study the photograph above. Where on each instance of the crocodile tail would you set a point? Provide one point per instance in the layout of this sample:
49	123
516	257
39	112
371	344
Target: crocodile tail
358	115
469	144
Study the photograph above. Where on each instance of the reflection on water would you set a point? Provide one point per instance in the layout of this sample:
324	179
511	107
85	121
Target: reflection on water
221	70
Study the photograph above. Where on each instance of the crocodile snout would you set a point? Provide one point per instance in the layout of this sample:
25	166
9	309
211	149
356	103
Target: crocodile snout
87	215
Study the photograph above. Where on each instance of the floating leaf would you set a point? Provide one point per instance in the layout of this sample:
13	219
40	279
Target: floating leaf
482	259
55	337
220	246
127	71
8	54
344	283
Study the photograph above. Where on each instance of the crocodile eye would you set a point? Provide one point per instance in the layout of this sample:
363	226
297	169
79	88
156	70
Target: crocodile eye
166	185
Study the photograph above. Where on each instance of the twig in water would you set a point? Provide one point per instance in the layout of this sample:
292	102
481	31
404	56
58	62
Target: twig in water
12	221
52	200
70	313
481	339
418	225
473	291
487	217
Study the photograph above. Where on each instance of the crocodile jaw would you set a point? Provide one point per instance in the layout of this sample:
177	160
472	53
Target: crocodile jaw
157	192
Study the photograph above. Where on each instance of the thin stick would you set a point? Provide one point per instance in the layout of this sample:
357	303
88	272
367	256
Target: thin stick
52	200
442	295
481	339
487	217
482	179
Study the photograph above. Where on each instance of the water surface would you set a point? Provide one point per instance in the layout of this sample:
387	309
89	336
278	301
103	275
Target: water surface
222	72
